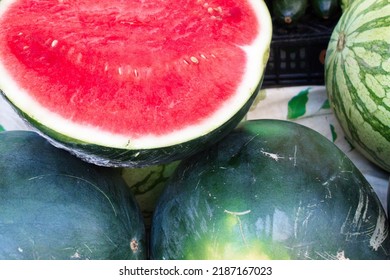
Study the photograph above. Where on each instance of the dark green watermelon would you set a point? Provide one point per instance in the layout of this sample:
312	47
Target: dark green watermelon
289	11
272	189
55	206
325	9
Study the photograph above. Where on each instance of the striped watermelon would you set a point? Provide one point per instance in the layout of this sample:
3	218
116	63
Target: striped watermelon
147	183
344	4
357	70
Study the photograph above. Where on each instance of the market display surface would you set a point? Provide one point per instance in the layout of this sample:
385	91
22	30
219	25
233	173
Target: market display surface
261	172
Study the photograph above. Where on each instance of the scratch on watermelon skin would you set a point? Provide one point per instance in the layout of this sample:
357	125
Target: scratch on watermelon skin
378	234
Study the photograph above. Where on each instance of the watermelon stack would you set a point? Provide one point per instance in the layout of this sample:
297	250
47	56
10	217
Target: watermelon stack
72	71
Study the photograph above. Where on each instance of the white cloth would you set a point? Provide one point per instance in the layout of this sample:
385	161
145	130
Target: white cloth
275	103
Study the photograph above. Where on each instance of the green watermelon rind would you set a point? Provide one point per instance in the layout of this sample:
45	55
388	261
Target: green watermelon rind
117	157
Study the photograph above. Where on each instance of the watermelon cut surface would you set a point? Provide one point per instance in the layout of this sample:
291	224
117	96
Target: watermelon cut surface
112	78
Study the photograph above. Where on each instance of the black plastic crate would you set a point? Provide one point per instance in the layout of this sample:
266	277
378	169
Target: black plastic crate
297	52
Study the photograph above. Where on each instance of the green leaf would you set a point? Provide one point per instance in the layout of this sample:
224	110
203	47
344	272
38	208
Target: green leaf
326	104
297	105
334	134
2	128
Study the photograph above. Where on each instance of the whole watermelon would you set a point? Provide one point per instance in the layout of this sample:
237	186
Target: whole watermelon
357	69
344	4
55	206
147	184
272	189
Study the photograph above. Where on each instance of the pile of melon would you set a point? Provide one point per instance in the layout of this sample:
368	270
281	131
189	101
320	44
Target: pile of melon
288	13
139	147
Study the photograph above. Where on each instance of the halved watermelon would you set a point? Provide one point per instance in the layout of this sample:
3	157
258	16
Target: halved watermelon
133	83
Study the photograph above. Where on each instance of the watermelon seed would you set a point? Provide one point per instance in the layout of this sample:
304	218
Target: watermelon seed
54	43
203	56
194	59
120	70
136	73
186	62
216	18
